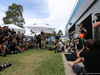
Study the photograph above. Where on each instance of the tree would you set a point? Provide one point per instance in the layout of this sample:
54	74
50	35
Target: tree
49	34
14	15
60	32
54	34
31	32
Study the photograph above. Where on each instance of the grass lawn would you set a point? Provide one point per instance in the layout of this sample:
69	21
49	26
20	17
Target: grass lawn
33	62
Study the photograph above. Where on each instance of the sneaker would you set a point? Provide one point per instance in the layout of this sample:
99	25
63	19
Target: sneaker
3	54
15	52
72	51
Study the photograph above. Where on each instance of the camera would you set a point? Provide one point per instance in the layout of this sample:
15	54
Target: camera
97	17
5	66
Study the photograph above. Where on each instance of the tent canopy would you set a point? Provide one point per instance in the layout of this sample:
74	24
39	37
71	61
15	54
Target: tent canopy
15	27
41	28
32	34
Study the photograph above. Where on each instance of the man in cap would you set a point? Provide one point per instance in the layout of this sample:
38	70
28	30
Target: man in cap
81	36
82	31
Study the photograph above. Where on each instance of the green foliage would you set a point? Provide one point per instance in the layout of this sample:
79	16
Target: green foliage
31	32
60	32
14	15
54	34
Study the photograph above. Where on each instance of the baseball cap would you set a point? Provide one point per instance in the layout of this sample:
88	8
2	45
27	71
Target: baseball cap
79	24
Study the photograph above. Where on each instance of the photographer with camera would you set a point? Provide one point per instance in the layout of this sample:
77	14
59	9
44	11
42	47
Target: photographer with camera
96	21
90	57
96	24
38	37
59	46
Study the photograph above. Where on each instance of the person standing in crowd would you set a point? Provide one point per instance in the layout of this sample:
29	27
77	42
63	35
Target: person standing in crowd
13	32
82	31
70	38
81	36
43	42
38	37
34	40
57	37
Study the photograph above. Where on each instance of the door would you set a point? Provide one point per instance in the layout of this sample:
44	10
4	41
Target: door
87	24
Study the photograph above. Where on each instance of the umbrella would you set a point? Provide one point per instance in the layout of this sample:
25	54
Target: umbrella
41	28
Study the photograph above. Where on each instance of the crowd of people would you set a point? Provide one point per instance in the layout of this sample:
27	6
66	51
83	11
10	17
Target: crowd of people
76	44
12	42
87	51
40	40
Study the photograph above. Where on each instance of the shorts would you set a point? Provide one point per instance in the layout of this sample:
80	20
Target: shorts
79	70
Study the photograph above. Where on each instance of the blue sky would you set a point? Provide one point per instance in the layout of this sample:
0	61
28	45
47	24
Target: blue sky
38	8
53	12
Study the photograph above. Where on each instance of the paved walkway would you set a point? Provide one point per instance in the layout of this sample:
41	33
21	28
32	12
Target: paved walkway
68	70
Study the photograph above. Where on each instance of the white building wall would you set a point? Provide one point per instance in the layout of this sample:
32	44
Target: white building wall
95	8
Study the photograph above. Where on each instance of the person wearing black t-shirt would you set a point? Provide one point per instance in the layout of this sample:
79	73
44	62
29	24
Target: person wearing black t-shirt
90	58
57	37
81	36
38	37
13	32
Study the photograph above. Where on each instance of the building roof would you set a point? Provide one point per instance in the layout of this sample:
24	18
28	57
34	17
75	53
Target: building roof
74	12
